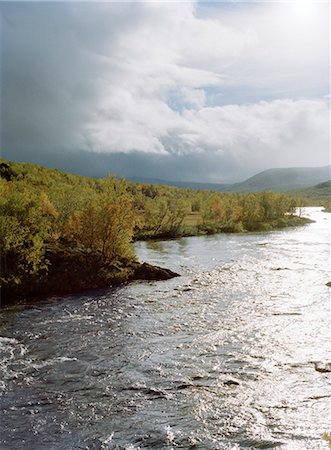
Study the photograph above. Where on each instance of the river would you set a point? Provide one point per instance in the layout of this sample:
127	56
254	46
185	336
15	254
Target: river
234	354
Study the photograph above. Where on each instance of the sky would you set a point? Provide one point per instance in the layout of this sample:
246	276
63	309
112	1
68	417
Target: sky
185	91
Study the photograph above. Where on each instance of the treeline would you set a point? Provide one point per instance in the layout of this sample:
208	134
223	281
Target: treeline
318	195
59	229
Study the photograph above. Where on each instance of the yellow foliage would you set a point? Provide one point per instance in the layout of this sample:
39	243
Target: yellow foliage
105	227
327	437
47	207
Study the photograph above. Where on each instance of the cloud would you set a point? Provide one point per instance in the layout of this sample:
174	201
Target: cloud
173	85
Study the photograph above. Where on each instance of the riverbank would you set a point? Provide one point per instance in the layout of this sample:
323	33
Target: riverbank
60	232
209	229
74	275
71	271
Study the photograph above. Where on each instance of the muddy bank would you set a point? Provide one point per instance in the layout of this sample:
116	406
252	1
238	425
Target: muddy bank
74	275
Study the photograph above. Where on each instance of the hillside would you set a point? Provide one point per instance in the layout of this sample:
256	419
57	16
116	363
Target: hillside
63	233
321	191
197	186
282	180
277	180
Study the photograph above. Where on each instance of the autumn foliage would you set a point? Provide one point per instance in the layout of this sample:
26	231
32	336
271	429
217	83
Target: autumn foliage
57	226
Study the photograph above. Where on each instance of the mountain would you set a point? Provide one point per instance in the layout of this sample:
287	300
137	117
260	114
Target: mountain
321	191
278	180
283	179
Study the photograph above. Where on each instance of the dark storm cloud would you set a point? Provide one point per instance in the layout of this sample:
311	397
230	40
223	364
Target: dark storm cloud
130	165
50	73
136	89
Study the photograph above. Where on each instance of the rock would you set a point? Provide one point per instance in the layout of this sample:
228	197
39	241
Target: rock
155	393
231	383
146	271
323	368
185	386
328	284
71	275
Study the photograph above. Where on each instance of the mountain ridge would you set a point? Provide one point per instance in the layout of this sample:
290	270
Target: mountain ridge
274	179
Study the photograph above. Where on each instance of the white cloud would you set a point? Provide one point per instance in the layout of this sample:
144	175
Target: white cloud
195	98
172	49
292	46
276	133
123	77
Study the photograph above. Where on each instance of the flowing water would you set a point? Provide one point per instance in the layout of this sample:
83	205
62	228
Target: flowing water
233	354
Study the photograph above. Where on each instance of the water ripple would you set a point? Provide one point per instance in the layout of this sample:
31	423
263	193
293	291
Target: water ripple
234	354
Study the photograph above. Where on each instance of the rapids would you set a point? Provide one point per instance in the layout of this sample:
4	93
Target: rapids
234	354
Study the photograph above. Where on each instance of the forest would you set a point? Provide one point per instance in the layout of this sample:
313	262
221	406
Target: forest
60	231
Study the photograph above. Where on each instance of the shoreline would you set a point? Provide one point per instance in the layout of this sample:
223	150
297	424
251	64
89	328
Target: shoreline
199	231
75	277
133	271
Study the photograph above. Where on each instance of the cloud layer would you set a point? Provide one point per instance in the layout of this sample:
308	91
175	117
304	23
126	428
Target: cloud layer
229	89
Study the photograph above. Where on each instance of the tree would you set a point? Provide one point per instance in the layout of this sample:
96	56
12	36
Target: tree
24	232
252	212
103	229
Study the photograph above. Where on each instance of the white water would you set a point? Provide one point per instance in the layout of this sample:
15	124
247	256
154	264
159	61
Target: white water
228	356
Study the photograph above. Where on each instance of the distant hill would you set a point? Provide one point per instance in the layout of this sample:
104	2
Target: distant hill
321	191
279	180
284	179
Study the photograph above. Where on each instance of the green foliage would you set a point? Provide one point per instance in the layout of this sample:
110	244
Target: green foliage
165	216
24	230
326	205
56	226
50	221
318	195
104	228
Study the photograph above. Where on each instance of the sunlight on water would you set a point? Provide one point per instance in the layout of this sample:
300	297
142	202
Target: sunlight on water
233	354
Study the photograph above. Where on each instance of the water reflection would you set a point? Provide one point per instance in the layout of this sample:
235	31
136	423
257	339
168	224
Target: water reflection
156	246
233	354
